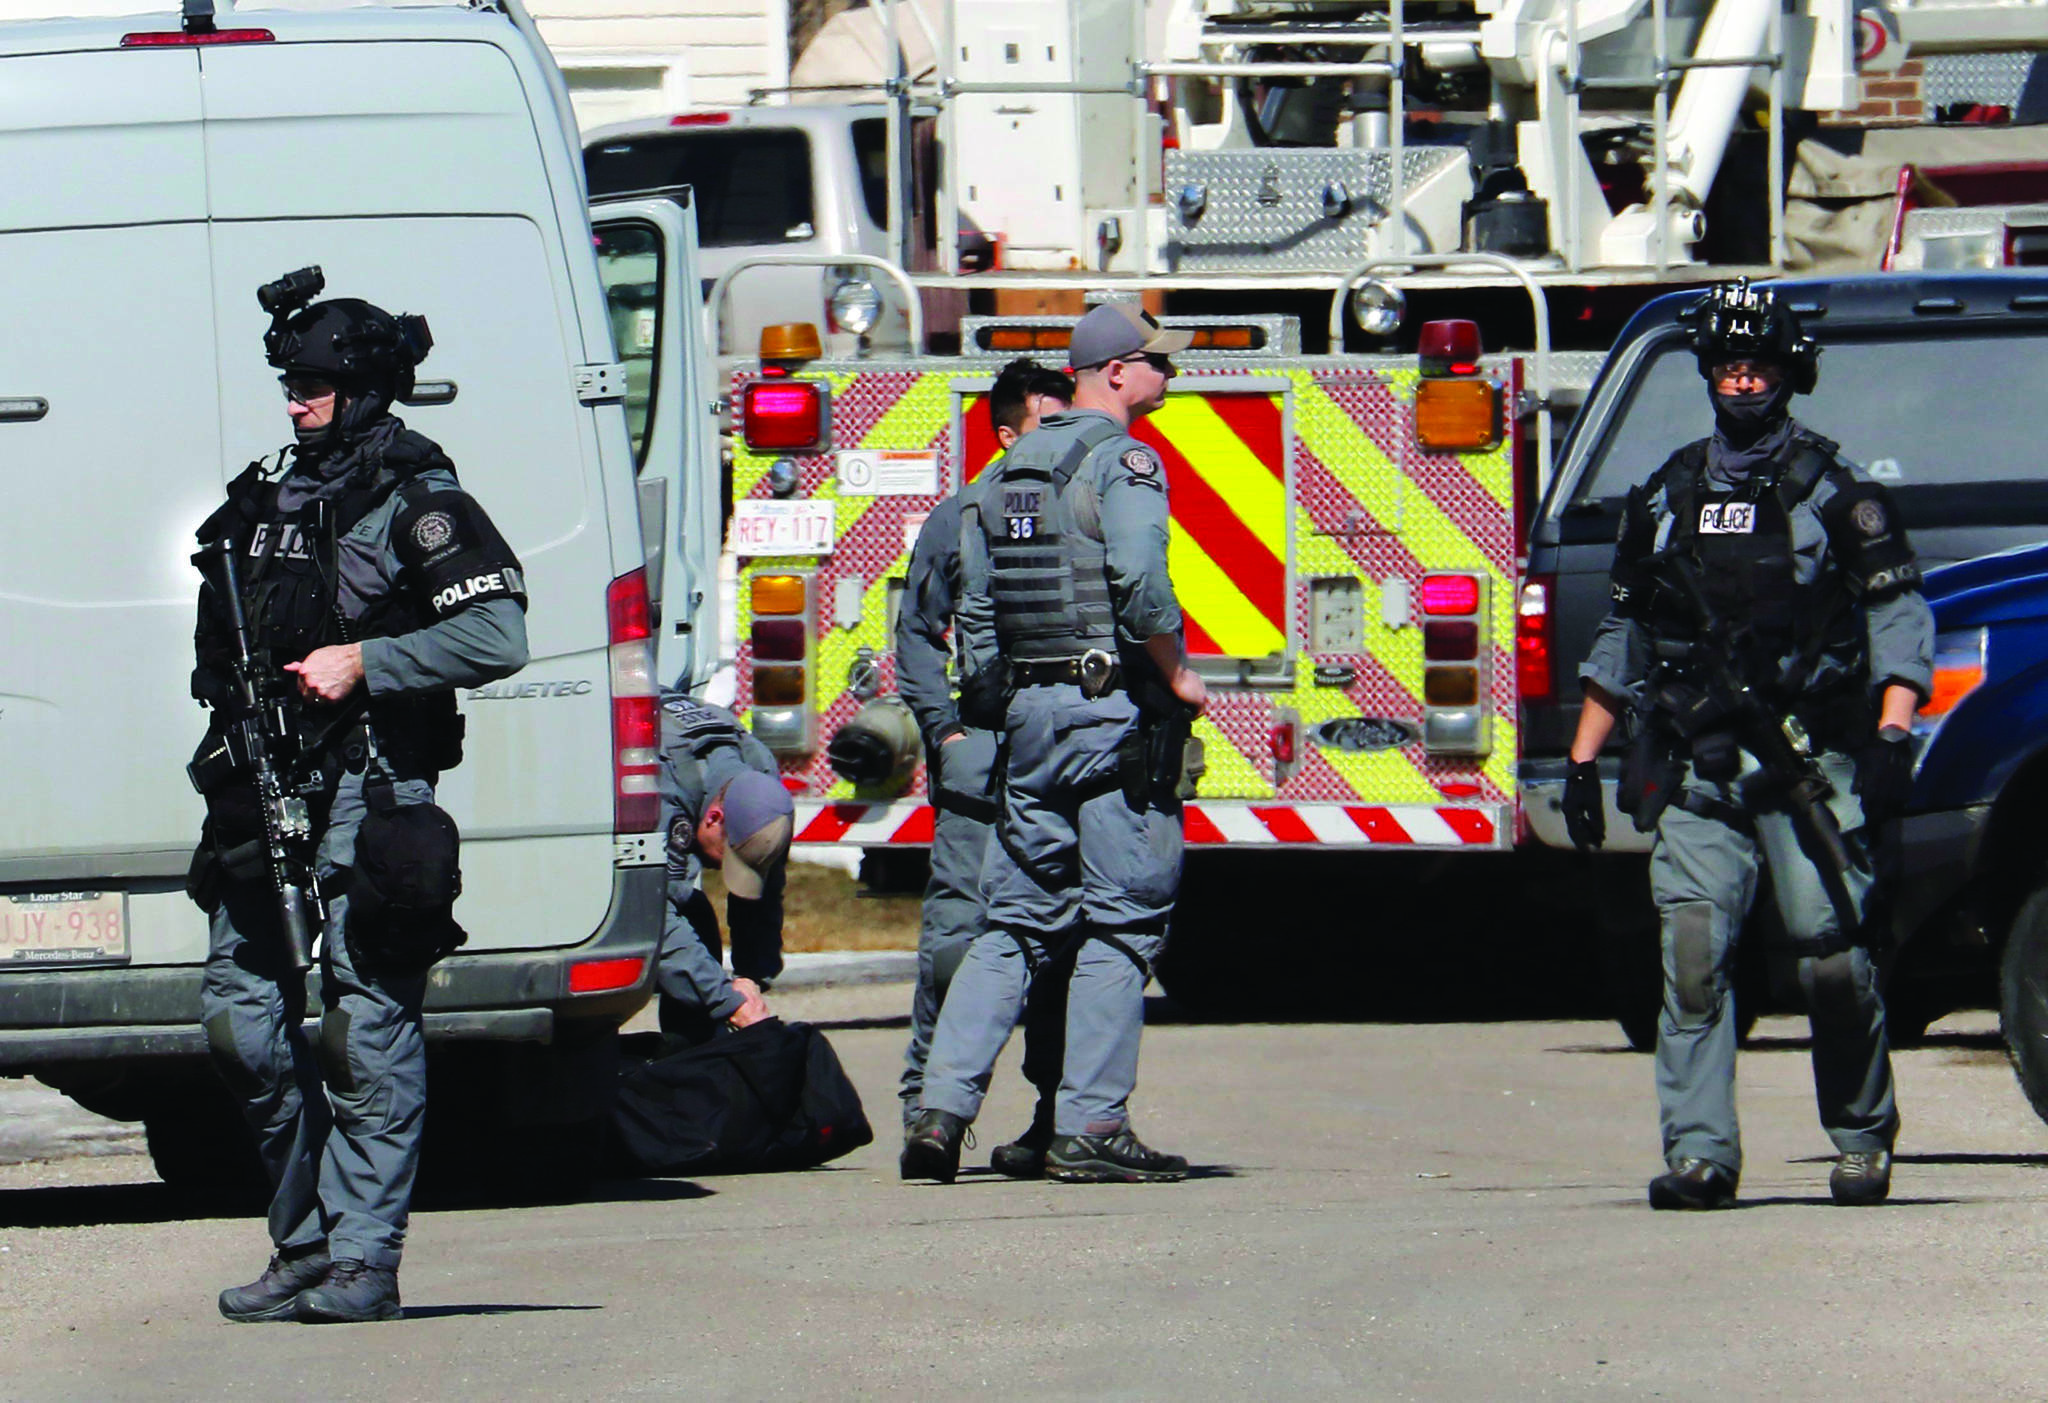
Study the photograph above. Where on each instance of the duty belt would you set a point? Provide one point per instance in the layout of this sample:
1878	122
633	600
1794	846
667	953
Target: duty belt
1094	672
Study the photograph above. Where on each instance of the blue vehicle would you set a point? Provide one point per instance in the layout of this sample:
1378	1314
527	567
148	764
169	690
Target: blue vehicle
1932	384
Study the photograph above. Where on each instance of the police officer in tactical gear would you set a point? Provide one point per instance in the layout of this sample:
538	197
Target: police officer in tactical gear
959	766
722	803
1066	541
373	586
1769	642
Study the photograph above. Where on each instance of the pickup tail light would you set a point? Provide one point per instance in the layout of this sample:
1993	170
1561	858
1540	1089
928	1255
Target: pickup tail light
1959	666
1535	676
1454	648
636	707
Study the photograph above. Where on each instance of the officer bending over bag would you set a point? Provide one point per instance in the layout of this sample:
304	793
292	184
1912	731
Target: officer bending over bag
722	803
1769	641
369	586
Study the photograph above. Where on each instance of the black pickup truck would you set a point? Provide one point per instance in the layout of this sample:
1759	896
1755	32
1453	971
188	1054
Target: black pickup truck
1933	384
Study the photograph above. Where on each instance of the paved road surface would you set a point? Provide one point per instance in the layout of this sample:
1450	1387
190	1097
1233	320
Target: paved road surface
1426	1211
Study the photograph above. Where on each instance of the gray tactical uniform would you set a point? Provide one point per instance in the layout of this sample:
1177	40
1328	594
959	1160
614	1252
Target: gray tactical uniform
1705	865
343	1162
1079	867
702	748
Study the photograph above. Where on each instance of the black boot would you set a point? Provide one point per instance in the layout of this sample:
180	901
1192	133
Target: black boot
1695	1183
1861	1178
1121	1158
1024	1157
352	1292
271	1295
932	1148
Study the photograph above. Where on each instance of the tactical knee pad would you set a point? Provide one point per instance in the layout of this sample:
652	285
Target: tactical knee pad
332	1047
244	1080
1832	988
1696	972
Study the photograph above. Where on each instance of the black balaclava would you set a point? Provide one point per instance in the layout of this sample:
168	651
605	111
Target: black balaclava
1749	430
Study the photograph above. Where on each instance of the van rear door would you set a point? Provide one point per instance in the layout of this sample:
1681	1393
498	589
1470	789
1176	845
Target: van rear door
647	257
110	464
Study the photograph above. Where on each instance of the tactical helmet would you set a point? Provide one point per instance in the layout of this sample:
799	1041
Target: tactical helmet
346	341
1735	321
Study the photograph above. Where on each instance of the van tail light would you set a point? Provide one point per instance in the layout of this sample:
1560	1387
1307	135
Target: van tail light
1454	648
636	707
605	976
175	39
784	415
782	640
1535	678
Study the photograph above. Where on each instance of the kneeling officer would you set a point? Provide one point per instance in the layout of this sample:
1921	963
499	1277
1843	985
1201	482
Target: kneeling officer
347	595
1769	635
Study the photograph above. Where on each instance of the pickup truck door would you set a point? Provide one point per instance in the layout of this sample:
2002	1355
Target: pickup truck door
647	257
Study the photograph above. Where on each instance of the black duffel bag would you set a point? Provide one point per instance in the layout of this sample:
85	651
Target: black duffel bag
769	1096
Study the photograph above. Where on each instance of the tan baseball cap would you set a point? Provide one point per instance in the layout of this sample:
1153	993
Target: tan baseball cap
759	820
1118	329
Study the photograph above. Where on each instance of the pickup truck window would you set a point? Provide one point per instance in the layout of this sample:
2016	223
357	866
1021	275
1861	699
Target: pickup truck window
752	184
1921	411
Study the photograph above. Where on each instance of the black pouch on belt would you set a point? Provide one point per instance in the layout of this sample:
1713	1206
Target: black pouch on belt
402	890
1651	774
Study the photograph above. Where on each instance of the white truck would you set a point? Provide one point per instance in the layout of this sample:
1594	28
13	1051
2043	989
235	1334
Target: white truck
160	167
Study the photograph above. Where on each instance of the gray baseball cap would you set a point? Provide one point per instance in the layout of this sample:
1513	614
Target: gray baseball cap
1118	329
759	818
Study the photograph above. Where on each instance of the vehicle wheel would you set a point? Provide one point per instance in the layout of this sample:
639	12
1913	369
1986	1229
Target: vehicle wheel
203	1149
2023	999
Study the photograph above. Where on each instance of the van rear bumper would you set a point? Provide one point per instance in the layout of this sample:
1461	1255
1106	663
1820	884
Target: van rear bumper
100	1014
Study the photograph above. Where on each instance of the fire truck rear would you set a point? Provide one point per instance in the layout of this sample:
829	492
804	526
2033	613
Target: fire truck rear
1344	545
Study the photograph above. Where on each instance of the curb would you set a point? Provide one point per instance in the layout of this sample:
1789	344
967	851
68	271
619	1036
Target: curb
826	968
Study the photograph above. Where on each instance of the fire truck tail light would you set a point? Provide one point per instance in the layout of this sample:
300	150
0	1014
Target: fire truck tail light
784	415
1533	667
1281	740
777	594
1449	347
1457	416
778	686
636	706
780	640
604	976
1450	594
1450	642
1450	686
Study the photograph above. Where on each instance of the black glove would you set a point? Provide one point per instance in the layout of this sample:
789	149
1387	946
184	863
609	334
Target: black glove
1884	775
1585	805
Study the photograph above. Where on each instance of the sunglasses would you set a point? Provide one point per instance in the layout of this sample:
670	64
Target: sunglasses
304	391
1156	359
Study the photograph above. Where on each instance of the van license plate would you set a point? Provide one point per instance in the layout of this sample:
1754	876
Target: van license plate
64	928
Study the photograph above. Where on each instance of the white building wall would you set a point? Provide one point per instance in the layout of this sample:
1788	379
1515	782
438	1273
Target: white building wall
636	58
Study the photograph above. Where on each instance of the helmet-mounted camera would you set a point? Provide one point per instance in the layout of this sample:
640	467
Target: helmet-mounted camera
1740	321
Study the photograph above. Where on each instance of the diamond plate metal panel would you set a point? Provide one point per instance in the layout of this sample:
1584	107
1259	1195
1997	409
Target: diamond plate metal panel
1268	204
1994	80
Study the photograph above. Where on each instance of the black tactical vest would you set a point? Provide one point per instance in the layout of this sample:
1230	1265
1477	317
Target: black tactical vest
1047	568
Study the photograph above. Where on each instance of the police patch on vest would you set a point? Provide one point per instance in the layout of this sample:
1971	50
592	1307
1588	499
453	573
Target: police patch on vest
291	542
1023	512
1728	519
1868	517
433	531
1140	462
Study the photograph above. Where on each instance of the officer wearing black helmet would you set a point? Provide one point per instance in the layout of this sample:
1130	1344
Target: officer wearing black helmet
372	586
1770	643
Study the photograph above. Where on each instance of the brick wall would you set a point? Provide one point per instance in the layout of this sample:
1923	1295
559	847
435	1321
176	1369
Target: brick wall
1889	99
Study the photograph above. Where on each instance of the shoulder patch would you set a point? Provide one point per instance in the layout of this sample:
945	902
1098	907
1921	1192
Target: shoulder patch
1140	461
680	834
1868	516
433	531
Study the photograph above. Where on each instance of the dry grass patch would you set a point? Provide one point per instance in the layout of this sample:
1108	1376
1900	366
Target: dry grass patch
826	909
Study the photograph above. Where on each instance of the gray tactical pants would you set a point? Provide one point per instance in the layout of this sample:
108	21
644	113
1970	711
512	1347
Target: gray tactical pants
953	916
1703	876
1091	878
337	1124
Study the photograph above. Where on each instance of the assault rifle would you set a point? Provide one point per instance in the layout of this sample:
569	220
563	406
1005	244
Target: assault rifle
263	741
1780	744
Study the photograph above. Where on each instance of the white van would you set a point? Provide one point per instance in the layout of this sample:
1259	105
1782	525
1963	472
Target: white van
159	168
808	180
